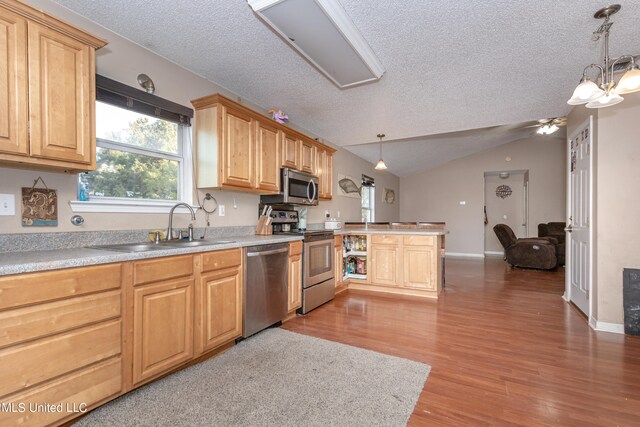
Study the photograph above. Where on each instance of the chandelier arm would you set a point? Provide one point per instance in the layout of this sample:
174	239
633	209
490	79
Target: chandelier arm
598	66
620	58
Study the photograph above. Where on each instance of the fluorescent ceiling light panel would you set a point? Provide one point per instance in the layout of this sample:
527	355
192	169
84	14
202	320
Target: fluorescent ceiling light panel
323	33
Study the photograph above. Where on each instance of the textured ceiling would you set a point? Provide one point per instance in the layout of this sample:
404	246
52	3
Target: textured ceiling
450	66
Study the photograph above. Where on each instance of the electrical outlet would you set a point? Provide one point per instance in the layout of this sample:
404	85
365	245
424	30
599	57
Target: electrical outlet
7	204
221	210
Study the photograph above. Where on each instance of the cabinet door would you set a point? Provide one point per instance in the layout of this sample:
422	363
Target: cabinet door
328	176
291	152
386	265
237	149
295	283
220	308
308	157
268	158
162	327
419	262
13	84
61	97
338	262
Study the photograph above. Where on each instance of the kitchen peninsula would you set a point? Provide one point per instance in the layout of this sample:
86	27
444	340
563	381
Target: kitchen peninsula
398	258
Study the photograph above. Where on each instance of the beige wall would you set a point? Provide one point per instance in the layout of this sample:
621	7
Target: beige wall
434	195
617	184
123	60
510	210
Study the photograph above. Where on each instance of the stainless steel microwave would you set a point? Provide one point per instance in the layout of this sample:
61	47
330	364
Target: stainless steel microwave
296	188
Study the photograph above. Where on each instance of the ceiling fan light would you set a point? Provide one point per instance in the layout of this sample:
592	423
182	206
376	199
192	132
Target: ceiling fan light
586	91
607	100
380	166
547	129
630	82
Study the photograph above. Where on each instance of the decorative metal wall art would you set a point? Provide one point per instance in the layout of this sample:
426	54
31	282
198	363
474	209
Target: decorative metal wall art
39	206
503	191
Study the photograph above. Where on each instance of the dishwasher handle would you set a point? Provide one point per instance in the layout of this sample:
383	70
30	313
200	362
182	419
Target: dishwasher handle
263	253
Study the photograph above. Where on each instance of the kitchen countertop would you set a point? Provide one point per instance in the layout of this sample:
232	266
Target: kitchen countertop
31	261
392	231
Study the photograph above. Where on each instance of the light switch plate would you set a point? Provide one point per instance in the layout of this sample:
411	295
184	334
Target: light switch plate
7	204
221	210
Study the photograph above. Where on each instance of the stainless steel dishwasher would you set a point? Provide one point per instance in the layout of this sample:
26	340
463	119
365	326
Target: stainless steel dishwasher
265	286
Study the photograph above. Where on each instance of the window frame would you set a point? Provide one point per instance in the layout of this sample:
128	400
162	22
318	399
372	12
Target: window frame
368	184
127	98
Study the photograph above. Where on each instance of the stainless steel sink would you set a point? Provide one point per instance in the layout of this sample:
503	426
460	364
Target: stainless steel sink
187	243
129	247
171	244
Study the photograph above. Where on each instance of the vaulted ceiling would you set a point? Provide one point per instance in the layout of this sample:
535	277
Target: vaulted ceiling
450	66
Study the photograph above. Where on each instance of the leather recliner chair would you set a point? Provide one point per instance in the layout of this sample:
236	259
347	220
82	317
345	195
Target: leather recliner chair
555	230
537	253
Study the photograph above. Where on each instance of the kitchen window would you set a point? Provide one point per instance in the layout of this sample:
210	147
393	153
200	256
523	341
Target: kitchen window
367	192
143	153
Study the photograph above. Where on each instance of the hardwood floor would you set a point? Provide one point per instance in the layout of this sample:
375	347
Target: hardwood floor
504	348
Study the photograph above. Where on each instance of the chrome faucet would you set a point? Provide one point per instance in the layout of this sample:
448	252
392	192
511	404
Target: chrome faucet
170	229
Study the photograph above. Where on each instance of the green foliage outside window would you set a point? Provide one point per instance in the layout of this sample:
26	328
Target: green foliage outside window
125	174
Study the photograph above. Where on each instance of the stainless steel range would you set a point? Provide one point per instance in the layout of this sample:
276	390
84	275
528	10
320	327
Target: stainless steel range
318	281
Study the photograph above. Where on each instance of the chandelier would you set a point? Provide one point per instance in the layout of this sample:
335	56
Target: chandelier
607	92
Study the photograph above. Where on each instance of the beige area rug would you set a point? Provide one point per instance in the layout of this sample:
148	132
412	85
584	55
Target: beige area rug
276	378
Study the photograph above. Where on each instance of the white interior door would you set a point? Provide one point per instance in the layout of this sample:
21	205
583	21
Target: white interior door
578	256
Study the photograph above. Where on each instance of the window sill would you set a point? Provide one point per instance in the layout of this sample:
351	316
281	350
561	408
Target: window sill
126	206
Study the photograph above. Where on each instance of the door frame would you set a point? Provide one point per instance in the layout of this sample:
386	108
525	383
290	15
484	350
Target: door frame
567	275
525	202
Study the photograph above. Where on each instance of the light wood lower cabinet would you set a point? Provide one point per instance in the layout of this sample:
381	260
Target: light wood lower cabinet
60	340
403	264
220	309
162	327
419	267
386	265
338	260
294	299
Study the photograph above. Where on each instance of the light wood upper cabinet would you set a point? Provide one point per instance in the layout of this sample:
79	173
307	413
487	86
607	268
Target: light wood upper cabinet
47	93
268	158
324	170
13	88
162	327
291	147
238	149
308	157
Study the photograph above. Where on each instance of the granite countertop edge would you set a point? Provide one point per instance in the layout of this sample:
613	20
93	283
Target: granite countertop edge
33	261
391	231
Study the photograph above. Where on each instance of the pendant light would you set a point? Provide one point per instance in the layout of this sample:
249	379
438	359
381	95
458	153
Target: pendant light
607	92
381	166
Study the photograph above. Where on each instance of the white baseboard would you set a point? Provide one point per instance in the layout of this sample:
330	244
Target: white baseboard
565	297
494	253
616	328
463	255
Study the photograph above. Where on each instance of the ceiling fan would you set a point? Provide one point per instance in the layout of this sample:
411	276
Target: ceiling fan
548	126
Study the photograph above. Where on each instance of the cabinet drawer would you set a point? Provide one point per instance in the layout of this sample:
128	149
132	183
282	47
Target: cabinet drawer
420	240
159	269
88	386
25	365
221	259
46	319
386	239
295	248
46	286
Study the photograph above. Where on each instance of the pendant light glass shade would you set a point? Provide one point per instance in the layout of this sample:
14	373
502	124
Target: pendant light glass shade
607	100
586	91
630	81
381	166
